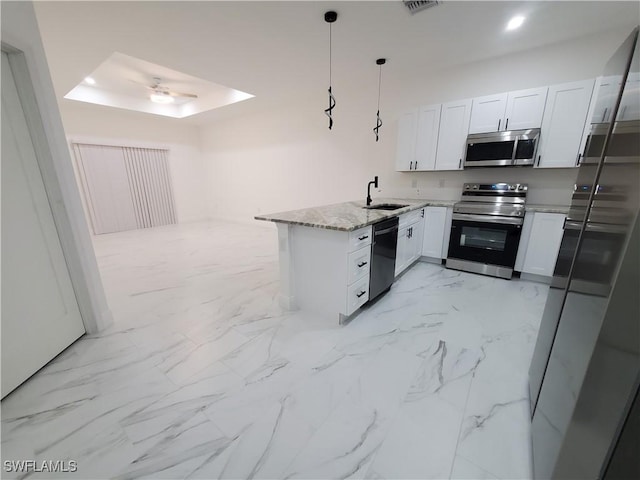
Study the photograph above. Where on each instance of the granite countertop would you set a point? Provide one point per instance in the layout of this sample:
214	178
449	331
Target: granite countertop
348	216
547	208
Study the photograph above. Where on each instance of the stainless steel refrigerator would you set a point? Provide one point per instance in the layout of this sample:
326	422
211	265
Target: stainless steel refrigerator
585	369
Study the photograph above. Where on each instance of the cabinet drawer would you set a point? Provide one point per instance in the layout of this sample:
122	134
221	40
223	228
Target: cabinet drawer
357	294
359	262
410	217
359	238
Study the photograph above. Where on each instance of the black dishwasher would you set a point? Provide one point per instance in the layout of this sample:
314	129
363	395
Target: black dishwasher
383	256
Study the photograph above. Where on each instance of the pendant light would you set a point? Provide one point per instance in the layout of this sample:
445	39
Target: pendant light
379	62
330	17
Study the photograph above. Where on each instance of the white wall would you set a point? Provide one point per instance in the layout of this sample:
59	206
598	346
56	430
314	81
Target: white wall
90	123
287	158
20	31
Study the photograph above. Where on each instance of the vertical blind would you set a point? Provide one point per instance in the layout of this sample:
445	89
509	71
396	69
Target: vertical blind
125	188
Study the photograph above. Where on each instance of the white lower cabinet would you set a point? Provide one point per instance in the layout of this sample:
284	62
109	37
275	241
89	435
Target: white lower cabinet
357	295
402	250
330	269
435	228
409	247
539	249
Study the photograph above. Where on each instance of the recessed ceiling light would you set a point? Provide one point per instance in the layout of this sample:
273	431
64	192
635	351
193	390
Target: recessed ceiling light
515	22
161	98
90	80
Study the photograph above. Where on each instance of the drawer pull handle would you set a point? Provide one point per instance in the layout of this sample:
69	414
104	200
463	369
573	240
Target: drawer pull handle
363	237
362	264
360	294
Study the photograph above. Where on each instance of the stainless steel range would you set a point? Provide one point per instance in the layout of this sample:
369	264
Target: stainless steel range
486	227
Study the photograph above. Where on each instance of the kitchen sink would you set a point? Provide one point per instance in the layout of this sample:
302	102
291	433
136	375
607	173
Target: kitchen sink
385	206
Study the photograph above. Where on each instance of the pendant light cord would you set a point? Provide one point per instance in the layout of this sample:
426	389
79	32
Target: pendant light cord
379	86
330	44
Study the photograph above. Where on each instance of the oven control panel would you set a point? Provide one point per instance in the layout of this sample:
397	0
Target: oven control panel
497	188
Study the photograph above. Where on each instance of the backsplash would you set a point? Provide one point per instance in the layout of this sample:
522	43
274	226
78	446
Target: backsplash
546	186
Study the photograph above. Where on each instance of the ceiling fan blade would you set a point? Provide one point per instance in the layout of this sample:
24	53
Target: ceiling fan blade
178	94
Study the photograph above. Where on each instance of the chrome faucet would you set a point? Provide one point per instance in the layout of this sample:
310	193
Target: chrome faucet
375	185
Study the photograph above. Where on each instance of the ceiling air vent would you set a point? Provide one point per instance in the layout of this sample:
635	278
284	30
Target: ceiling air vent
416	6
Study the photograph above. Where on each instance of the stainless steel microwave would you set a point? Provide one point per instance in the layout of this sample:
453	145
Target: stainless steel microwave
502	149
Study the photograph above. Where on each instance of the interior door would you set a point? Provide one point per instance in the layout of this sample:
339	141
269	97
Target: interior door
40	315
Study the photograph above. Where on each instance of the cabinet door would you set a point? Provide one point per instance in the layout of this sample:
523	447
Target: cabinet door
402	250
454	128
427	137
416	237
563	124
525	108
487	113
629	105
607	90
544	243
406	141
435	219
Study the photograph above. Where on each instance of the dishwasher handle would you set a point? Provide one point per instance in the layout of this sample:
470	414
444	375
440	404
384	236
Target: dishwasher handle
385	231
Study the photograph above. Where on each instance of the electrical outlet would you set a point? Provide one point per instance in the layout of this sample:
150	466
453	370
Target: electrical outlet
414	183
441	183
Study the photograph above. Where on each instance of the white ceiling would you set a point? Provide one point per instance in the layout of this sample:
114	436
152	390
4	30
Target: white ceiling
123	81
278	51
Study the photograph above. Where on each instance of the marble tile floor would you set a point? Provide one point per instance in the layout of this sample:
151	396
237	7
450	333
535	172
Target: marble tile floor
204	376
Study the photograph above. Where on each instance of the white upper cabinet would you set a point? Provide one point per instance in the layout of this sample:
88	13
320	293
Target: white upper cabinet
563	124
487	113
525	108
605	98
406	142
629	105
454	128
508	111
427	138
418	138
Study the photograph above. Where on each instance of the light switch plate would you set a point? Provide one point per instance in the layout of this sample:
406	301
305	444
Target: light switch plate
414	183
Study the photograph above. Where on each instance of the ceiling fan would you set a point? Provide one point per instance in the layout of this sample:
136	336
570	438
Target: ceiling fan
161	94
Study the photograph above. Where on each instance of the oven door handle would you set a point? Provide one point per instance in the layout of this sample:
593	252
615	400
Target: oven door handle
488	218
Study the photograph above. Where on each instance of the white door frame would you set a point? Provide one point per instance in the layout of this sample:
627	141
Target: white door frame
21	41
